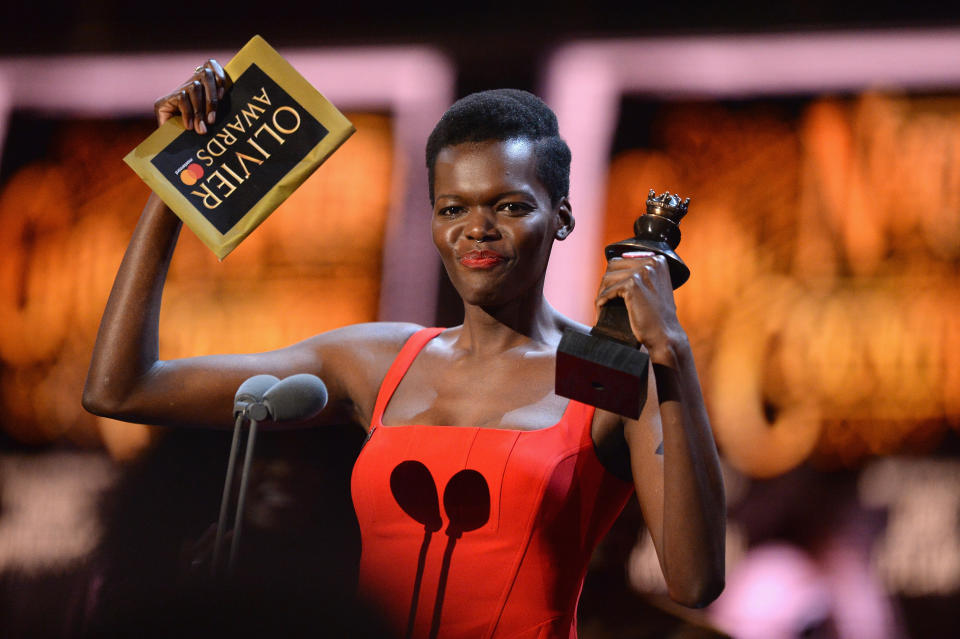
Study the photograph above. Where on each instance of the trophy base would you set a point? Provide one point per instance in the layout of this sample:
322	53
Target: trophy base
602	372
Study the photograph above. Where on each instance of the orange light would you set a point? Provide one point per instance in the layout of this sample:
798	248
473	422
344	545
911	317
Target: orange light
823	300
312	266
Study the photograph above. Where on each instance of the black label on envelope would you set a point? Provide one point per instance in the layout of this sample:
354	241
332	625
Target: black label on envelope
260	135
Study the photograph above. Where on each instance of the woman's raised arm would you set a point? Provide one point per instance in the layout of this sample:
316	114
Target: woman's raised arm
128	381
673	456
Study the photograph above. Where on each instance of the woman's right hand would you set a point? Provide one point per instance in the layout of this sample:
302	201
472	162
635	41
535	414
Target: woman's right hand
197	99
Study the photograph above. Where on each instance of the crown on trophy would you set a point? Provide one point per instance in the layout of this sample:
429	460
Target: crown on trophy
668	205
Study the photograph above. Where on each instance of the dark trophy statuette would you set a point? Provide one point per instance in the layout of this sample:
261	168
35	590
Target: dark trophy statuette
606	367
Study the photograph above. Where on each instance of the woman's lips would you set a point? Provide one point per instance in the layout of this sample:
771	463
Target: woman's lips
481	259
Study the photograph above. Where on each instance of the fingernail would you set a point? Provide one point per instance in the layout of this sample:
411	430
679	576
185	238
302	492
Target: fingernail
201	127
638	254
211	117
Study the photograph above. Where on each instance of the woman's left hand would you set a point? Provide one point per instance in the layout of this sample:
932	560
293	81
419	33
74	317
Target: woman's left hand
642	279
678	483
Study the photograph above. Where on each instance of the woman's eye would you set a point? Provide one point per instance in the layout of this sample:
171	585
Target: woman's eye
516	208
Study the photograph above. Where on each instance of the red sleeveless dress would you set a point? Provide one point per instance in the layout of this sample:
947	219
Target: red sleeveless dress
473	533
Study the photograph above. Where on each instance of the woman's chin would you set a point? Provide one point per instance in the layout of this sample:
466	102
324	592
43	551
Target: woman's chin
480	288
483	298
493	293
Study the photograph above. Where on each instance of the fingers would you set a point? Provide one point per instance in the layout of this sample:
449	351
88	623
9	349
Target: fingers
195	92
642	280
211	94
197	99
215	83
651	266
630	260
624	287
185	106
162	110
632	271
223	80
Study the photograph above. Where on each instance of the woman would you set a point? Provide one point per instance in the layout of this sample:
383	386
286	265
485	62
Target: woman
466	435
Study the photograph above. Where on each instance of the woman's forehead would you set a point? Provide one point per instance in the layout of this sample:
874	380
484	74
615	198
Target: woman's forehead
491	164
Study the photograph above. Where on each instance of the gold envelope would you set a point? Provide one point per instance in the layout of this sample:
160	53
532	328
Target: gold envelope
272	132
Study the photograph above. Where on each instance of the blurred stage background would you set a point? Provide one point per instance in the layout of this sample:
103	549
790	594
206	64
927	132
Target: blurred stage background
821	149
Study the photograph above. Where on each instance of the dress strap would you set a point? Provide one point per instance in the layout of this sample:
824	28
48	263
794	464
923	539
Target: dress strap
398	369
578	423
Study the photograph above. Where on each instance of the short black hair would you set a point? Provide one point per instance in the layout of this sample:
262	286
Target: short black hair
506	114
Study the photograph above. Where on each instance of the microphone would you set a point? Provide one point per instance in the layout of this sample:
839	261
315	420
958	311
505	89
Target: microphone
296	398
251	392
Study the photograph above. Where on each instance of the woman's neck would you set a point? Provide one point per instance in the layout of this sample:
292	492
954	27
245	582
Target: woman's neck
494	330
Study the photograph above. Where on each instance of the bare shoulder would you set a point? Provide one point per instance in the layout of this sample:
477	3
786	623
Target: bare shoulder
369	345
353	360
564	323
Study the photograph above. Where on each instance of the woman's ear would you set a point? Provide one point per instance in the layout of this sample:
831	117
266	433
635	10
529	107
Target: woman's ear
565	221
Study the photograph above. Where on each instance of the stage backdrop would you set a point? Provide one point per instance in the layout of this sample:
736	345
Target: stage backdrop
824	229
823	240
336	253
65	220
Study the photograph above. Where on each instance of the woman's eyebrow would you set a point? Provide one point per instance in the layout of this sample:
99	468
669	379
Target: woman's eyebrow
521	192
494	198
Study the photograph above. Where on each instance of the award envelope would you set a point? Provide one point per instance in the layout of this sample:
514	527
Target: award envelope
273	130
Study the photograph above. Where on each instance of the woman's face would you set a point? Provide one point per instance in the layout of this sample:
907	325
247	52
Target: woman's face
492	219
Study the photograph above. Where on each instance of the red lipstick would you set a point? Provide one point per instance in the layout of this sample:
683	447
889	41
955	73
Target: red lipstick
481	259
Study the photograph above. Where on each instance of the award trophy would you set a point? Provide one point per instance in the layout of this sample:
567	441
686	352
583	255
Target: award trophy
606	367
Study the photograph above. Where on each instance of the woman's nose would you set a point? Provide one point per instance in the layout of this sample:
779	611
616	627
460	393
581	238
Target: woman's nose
481	226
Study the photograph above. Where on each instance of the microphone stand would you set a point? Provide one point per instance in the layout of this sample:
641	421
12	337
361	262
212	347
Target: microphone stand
247	404
241	497
262	397
225	498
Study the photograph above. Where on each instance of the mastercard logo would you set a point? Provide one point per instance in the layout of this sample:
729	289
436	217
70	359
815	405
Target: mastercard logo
191	174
